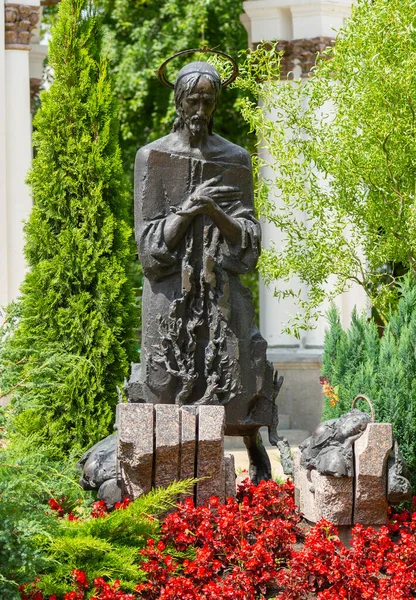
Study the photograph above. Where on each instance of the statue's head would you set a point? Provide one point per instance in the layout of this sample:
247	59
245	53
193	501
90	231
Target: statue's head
197	91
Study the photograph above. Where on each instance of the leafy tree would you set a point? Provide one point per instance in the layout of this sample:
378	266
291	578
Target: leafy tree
70	348
342	146
142	35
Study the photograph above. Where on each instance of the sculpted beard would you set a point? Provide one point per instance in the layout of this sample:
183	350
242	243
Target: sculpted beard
196	124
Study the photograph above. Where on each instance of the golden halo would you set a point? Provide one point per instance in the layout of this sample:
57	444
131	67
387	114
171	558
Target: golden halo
169	84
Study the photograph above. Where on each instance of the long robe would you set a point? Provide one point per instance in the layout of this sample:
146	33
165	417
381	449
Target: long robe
200	343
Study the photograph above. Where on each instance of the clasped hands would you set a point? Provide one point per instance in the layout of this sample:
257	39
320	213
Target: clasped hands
210	198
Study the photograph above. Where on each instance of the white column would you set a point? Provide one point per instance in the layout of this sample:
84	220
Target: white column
20	21
3	197
313	19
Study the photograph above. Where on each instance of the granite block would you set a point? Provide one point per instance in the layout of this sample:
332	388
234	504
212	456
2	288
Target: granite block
167	444
187	468
371	452
304	496
230	475
210	453
135	424
333	498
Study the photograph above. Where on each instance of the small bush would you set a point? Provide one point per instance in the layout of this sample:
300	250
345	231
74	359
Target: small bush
357	361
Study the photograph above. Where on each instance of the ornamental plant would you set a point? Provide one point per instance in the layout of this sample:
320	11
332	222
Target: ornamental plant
102	544
230	550
72	342
30	479
358	361
254	548
340	151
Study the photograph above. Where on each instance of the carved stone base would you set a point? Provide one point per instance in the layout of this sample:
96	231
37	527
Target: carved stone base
159	444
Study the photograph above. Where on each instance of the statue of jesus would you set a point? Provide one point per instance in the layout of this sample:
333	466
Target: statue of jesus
196	234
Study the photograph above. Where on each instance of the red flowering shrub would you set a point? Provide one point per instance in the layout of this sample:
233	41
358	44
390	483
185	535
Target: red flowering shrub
239	546
245	549
374	568
99	508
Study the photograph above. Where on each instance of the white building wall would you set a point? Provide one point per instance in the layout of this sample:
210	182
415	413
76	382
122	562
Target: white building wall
18	23
3	196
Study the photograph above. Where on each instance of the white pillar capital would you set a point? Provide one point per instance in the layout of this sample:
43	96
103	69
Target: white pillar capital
286	20
267	20
319	19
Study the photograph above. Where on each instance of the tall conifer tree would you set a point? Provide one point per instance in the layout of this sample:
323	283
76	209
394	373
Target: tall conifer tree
70	349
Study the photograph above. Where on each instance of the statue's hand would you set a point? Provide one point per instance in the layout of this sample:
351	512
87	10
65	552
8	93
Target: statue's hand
210	199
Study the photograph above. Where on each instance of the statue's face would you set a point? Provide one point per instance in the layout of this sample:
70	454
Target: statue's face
199	106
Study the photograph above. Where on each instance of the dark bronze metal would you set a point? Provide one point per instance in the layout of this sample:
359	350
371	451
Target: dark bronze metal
329	450
367	399
196	232
204	50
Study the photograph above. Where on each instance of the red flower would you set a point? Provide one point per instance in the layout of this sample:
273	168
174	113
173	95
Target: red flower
56	506
99	509
123	504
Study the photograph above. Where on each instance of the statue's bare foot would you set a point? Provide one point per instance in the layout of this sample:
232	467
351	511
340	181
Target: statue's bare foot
260	467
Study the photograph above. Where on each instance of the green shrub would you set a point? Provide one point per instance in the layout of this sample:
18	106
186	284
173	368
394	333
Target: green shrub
107	546
349	360
73	339
34	540
29	477
359	362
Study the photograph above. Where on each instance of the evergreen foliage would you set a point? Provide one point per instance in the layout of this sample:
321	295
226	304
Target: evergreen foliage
29	477
359	362
70	348
108	546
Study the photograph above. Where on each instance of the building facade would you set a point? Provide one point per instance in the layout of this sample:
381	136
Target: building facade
21	60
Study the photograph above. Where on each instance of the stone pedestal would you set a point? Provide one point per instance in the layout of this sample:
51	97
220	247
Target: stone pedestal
333	498
167	444
346	501
210	464
188	442
371	454
159	444
304	496
135	427
230	475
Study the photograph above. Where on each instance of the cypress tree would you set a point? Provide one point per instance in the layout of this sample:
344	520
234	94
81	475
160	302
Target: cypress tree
71	346
350	361
396	401
357	361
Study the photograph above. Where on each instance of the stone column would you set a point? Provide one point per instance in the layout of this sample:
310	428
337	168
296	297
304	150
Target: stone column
20	20
37	56
3	197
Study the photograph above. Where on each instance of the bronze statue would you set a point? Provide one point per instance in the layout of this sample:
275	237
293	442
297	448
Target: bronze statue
196	233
